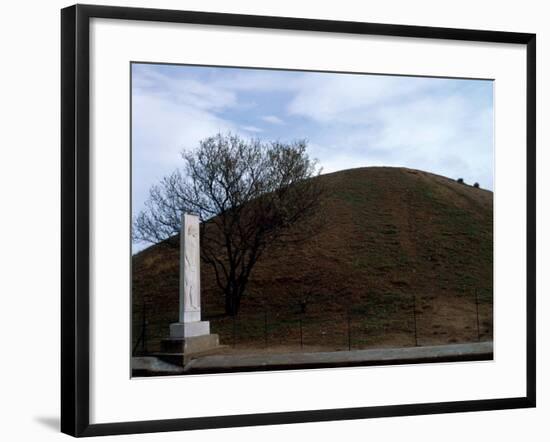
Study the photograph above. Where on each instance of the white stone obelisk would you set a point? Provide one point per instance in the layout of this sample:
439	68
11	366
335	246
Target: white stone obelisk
190	323
190	280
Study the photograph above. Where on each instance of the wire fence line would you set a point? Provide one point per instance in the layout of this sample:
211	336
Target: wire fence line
398	321
302	331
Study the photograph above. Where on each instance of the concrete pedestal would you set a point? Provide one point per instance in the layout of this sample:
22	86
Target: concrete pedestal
189	329
195	344
181	350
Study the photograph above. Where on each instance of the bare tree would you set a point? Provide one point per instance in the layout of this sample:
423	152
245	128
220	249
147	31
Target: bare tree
248	195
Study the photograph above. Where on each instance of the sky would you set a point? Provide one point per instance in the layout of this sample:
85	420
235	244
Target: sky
443	126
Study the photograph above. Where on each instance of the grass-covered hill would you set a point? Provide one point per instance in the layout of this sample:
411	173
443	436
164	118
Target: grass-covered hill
396	244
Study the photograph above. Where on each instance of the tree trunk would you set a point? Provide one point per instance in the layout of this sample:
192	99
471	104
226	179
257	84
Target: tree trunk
232	302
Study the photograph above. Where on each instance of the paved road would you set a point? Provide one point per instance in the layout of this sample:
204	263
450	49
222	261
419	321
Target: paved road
393	356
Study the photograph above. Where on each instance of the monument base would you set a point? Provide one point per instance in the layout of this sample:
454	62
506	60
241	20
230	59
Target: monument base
189	329
182	350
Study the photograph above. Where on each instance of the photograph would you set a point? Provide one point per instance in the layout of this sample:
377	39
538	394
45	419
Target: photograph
292	219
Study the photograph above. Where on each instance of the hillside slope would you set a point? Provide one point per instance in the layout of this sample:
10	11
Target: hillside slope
397	247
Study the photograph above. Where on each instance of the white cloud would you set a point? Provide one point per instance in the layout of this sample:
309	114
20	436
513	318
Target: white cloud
251	129
182	90
255	80
423	123
272	119
326	98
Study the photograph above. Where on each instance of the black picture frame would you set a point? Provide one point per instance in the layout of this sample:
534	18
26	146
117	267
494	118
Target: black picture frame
75	212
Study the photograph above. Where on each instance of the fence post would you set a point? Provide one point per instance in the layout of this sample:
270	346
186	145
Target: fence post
234	330
301	334
144	330
349	332
477	315
265	327
414	317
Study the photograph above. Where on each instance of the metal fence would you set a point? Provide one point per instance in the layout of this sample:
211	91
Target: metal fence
288	331
401	321
398	320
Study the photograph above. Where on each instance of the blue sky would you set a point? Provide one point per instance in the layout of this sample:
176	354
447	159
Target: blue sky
444	126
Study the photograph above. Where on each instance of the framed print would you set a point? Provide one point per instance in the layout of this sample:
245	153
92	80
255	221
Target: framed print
273	220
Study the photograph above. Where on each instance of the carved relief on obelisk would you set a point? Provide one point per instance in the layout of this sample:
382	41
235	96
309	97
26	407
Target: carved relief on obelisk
190	275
